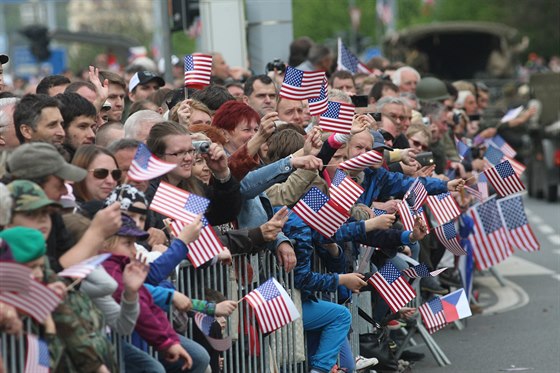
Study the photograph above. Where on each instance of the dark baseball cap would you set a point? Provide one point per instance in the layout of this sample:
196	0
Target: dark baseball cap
379	141
143	77
4	59
39	159
129	229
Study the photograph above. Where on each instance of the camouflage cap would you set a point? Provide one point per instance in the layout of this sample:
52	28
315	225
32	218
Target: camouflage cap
28	196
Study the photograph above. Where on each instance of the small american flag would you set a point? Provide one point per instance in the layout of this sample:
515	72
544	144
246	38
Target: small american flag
392	287
489	240
493	155
320	213
348	61
499	142
433	315
421	270
146	166
177	203
319	105
408	218
301	85
473	191
84	268
14	277
416	195
447	235
207	246
504	179
379	212
517	226
272	306
38	301
462	148
338	117
362	161
344	191
37	359
198	69
444	207
204	323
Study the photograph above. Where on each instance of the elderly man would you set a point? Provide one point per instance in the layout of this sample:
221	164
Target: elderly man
406	78
392	115
8	138
139	124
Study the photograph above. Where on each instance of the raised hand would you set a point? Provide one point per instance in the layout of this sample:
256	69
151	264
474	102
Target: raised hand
353	281
216	160
307	162
384	221
313	142
225	308
134	275
191	231
271	228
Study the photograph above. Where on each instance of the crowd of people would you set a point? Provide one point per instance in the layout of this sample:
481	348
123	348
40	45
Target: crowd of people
65	197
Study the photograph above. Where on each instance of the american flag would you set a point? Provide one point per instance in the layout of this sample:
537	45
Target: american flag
504	179
198	69
301	85
482	186
338	117
348	61
432	315
37	360
447	235
379	212
473	191
344	191
207	246
319	105
272	306
38	301
320	213
407	216
392	287
489	239
444	207
177	203
421	270
496	156
499	142
462	148
362	161
517	226
204	323
14	277
84	268
146	166
493	155
416	195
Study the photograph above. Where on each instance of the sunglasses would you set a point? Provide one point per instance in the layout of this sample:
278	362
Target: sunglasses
102	173
419	144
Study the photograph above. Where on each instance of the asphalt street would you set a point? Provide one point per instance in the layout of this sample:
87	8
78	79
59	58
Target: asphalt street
519	329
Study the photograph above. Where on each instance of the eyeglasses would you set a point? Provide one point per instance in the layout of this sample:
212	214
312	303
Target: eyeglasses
102	173
182	153
394	117
418	144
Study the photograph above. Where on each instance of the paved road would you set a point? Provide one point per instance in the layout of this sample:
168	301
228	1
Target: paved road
521	325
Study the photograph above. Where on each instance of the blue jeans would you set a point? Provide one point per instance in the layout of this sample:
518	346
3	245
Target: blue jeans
138	361
333	322
199	356
347	361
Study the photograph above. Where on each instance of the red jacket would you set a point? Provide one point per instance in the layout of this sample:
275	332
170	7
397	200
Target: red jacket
152	324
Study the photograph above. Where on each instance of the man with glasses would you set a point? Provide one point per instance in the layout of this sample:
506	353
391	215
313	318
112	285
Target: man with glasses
393	118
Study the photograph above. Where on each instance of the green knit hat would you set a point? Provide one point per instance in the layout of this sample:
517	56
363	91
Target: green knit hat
26	244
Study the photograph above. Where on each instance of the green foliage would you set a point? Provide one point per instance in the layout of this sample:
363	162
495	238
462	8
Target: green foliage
181	44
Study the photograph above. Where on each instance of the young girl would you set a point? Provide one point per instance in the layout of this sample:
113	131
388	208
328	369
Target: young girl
153	325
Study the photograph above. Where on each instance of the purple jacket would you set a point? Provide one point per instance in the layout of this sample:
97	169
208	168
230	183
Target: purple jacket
152	324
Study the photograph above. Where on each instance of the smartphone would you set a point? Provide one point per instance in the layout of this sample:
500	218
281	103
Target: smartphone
474	117
376	116
425	159
360	101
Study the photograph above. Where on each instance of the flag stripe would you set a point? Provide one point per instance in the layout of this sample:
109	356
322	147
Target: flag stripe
14	277
170	201
444	209
198	69
301	85
38	302
362	161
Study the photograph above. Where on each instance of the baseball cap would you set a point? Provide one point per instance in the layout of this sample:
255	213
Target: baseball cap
129	229
28	196
4	59
37	159
143	77
26	244
379	141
